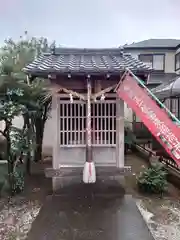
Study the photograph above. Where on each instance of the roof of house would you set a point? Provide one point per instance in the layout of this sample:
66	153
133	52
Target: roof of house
168	89
159	78
154	43
85	61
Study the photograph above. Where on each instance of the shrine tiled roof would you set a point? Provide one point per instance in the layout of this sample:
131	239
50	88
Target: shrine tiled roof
85	61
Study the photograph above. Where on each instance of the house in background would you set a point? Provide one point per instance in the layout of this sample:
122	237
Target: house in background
163	55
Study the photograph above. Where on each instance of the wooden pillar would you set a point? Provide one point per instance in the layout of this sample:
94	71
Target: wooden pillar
88	124
97	86
119	133
56	143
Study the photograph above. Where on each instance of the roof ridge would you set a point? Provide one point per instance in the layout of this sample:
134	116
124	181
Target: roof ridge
95	51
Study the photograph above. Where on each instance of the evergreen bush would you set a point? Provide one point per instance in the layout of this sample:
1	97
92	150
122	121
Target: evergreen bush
153	179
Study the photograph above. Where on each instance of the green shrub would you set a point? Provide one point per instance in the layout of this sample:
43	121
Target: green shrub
153	179
18	182
17	178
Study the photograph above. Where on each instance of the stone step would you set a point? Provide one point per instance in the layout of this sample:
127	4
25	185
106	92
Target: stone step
70	171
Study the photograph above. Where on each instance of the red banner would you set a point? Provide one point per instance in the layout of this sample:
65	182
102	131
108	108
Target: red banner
156	119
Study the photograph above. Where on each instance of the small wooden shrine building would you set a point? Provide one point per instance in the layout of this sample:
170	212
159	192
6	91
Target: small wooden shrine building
82	77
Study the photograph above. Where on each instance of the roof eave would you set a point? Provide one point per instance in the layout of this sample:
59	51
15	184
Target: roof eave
151	48
92	73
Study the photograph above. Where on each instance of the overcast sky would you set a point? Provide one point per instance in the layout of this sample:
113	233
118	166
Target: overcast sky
90	23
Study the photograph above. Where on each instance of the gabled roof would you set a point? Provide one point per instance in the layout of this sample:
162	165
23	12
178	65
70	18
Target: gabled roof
154	43
85	61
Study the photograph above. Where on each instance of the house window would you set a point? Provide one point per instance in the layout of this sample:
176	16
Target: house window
177	61
155	61
147	59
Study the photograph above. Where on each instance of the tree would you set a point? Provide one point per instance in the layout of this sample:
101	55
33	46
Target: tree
15	138
19	98
17	54
38	108
13	57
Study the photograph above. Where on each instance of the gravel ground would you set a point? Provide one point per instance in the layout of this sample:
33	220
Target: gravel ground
162	217
18	213
16	217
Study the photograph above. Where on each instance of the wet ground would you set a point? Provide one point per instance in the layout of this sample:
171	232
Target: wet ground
89	218
82	214
105	211
95	212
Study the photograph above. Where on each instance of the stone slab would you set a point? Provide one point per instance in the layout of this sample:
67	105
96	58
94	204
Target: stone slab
74	171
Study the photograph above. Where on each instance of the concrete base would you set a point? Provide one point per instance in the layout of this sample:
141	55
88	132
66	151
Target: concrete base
64	177
111	185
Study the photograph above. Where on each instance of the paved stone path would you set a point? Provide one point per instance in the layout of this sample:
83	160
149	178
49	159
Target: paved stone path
82	216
